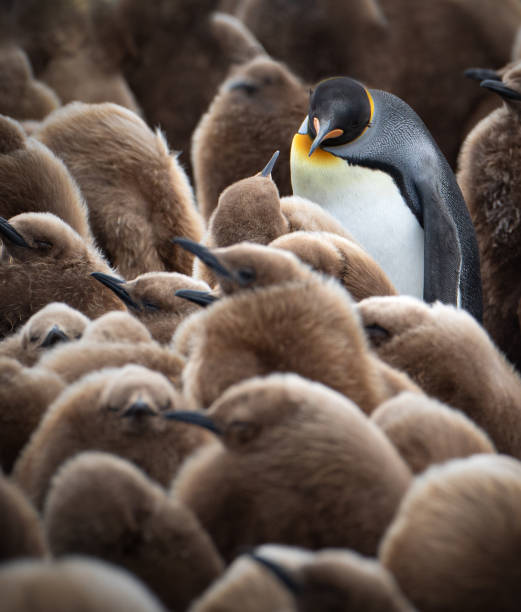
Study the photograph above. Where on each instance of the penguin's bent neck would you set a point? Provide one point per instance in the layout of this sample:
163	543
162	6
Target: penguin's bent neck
368	203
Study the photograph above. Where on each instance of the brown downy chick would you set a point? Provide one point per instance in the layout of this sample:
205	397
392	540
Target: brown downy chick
454	543
75	583
333	580
446	352
299	464
117	327
281	317
115	410
425	431
255	112
128	520
21	95
341	258
51	325
489	177
33	179
151	297
138	195
21	532
25	395
71	362
44	260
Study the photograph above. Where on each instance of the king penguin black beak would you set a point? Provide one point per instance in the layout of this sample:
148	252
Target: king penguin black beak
8	232
324	129
194	418
54	336
205	255
115	285
269	166
201	298
280	573
138	409
480	74
501	89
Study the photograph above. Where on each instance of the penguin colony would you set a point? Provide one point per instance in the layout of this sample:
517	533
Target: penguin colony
235	383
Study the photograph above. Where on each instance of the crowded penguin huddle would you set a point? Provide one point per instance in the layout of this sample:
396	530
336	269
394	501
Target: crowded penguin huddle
260	306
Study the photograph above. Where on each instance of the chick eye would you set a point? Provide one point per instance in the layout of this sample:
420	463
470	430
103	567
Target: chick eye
43	244
34	338
166	406
150	306
112	408
246	275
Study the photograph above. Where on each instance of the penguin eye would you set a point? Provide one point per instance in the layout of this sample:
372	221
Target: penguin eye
248	88
166	406
34	338
246	275
377	334
150	306
43	244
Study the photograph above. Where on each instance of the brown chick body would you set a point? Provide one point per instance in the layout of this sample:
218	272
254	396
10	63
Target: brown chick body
51	325
76	583
44	260
282	317
116	410
138	195
260	104
25	395
454	543
447	353
299	464
489	177
117	326
21	532
131	522
425	431
33	179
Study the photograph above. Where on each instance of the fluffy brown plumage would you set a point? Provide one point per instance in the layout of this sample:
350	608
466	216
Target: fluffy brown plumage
21	532
21	95
454	543
79	584
426	431
44	260
138	195
489	177
451	358
255	112
116	410
117	327
51	325
131	522
299	464
33	179
25	395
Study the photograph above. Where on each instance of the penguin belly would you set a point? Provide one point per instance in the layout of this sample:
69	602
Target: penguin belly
368	203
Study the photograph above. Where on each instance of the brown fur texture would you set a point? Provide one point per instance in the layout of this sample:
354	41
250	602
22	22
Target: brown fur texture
55	266
73	361
117	327
131	522
451	358
336	580
21	95
33	179
285	318
417	52
51	325
181	53
97	413
299	464
25	395
155	304
341	258
489	177
79	584
246	586
138	195
75	47
454	543
426	431
256	111
21	532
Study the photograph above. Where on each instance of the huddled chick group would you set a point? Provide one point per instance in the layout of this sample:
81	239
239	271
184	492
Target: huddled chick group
212	398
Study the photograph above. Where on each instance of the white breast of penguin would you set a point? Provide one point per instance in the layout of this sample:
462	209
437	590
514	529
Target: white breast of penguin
368	203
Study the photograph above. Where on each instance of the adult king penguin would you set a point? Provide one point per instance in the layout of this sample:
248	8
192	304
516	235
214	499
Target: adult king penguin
369	160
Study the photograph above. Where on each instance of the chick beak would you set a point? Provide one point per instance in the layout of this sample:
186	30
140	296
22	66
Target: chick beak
205	255
279	572
194	418
201	298
115	285
138	409
8	232
501	89
54	336
269	166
